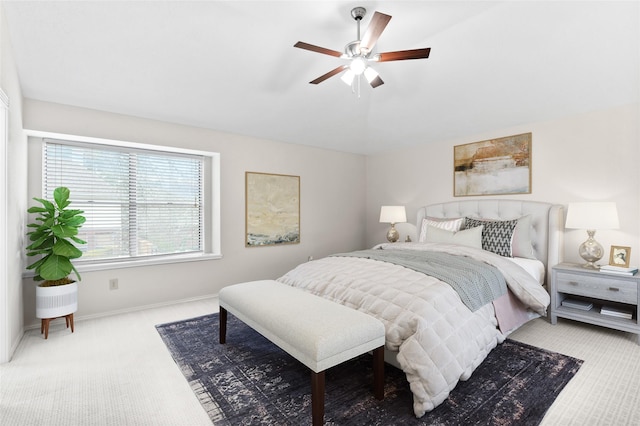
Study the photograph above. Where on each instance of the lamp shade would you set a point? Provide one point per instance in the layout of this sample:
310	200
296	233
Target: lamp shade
393	214
347	77
592	215
370	74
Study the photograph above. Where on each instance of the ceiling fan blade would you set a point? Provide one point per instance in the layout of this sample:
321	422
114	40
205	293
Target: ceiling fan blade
376	82
311	47
401	55
329	74
376	27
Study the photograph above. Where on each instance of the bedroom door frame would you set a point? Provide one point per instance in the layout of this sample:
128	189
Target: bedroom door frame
4	278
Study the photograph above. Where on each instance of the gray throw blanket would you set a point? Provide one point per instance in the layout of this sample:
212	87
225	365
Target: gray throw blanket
476	282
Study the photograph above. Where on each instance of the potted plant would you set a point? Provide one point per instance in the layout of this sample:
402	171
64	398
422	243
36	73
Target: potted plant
52	236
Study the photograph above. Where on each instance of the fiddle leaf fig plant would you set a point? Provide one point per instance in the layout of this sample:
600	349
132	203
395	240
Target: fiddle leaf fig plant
53	236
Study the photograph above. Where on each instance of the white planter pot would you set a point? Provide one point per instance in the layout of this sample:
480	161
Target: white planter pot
57	301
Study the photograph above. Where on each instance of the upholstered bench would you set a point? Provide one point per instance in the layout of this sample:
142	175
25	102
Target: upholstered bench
315	331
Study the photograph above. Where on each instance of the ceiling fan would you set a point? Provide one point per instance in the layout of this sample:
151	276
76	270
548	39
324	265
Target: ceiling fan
360	52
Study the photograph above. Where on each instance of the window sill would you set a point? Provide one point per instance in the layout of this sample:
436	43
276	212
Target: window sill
159	260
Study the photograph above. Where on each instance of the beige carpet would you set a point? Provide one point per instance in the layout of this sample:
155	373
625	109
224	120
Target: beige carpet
606	390
117	371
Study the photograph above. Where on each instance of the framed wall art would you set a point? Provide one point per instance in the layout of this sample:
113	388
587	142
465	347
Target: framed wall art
493	167
620	256
272	209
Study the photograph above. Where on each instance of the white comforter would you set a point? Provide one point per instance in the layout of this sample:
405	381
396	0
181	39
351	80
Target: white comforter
438	339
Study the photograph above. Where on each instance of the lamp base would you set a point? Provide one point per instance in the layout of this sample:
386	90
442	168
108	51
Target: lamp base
591	251
591	265
392	234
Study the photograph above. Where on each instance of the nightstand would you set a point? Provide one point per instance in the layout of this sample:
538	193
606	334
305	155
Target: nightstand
588	290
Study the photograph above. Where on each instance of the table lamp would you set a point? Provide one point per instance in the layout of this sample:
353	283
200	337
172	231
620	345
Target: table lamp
592	216
393	215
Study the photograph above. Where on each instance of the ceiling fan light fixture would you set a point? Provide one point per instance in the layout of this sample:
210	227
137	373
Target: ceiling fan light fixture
347	77
370	74
358	65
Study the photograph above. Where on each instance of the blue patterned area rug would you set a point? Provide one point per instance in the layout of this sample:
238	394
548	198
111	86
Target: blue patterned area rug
250	381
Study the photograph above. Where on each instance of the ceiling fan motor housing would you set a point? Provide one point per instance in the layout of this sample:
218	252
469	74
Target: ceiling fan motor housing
358	13
352	49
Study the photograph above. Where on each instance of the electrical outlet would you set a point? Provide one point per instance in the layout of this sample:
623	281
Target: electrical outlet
113	284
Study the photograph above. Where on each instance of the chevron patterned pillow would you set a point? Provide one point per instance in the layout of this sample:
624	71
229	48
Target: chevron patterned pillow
497	235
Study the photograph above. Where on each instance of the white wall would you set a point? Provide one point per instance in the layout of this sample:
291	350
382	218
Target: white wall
587	157
13	201
327	179
590	157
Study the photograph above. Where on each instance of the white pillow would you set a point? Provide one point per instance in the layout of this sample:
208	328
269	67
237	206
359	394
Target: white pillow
448	224
467	237
521	245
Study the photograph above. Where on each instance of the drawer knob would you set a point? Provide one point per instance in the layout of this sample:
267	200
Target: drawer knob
614	289
573	283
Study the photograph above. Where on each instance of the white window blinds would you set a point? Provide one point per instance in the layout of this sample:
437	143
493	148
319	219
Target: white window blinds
137	203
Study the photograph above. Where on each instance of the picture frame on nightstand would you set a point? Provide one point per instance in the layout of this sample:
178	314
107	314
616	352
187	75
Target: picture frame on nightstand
620	256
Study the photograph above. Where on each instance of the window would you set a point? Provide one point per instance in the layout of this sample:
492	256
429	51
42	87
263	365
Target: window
139	203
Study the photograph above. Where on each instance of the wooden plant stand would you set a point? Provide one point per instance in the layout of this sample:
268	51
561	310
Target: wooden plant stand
44	324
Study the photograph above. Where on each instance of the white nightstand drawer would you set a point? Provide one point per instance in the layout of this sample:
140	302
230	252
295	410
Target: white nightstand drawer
591	286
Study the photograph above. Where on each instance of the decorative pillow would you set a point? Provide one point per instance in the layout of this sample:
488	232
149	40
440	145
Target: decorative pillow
521	243
496	234
521	246
467	237
449	224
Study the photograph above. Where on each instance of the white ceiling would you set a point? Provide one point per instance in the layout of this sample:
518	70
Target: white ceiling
231	65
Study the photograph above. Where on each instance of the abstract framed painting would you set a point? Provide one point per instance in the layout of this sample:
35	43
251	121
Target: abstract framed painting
272	209
493	167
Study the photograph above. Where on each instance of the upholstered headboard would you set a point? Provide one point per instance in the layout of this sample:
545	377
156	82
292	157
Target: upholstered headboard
547	222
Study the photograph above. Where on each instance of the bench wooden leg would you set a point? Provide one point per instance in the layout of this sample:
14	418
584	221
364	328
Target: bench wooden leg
317	398
378	372
223	325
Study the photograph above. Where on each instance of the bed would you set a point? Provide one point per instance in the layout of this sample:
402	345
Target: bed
476	273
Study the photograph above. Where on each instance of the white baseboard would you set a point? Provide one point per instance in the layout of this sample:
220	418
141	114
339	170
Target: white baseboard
12	350
129	310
